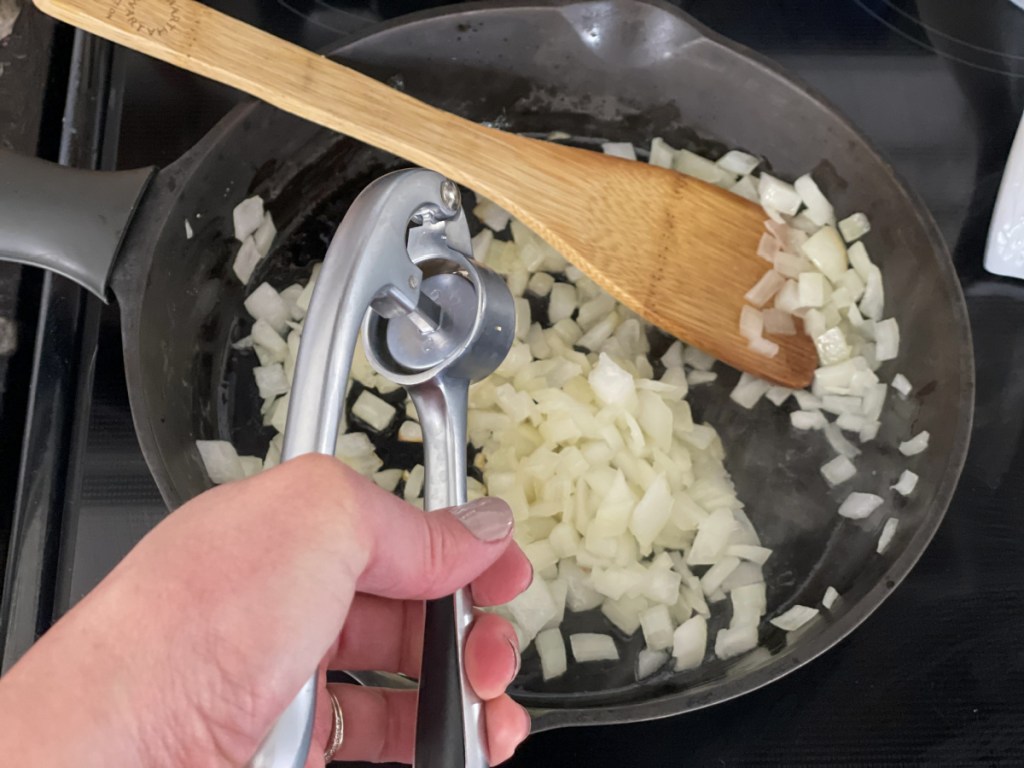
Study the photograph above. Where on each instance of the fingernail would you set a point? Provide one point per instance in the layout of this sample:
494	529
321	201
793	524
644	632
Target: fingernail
489	519
515	655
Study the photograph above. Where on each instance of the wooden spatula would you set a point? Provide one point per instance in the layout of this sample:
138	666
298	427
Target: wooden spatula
679	252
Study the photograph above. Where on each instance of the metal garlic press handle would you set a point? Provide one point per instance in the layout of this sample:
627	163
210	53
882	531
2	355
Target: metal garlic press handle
366	266
449	718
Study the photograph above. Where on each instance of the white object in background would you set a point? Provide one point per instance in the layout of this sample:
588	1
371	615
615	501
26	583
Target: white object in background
1004	252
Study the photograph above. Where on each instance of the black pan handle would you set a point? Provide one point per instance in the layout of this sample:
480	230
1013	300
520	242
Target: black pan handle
68	221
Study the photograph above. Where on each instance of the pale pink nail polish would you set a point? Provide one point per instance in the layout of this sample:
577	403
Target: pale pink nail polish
488	519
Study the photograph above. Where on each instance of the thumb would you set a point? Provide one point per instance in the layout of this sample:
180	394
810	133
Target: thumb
416	555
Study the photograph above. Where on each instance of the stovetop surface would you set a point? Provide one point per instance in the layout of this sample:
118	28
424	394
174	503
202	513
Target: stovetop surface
936	675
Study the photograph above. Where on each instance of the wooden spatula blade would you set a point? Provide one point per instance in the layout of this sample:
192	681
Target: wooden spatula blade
680	252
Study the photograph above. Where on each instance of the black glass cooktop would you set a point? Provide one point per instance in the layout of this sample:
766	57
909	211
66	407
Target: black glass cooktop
936	675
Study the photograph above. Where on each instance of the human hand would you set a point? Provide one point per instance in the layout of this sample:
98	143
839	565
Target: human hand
189	650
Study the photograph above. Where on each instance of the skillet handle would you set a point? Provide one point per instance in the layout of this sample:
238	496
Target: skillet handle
68	221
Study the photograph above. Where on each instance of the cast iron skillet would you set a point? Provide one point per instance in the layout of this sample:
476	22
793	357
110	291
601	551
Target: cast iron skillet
616	70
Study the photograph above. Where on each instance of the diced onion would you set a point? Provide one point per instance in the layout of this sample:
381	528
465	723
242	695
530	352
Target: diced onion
551	649
307	292
697	359
788	298
748	391
590	646
410	432
270	340
749	552
689	643
860	261
377	413
873	302
532	609
806	400
623	149
220	460
701	168
852	422
648	662
247	258
562	302
751	323
251	465
777	321
794	618
829	598
657	627
832	346
264	235
840	444
826	251
749	604
869	431
839	404
290	296
492	215
624	612
815	324
270	380
819	209
712	538
540	284
763	347
388	479
915	445
662	154
887	336
247	217
739	163
906	484
768	248
854	227
696	378
712	580
902	385
777	395
769	284
673	357
777	195
885	537
746	188
838	470
481	244
807	420
265	303
858	506
734	641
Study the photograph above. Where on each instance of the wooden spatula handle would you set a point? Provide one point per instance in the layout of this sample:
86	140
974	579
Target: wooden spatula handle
674	249
197	38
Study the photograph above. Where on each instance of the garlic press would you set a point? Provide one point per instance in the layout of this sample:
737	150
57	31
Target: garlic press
399	271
